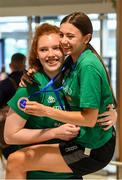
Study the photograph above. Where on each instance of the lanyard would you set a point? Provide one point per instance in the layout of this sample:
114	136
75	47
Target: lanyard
55	90
22	101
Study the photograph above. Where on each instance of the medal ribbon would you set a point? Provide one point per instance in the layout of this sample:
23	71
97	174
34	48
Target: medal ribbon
22	102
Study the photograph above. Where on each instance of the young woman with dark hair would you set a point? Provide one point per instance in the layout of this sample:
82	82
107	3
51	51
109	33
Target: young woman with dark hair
88	93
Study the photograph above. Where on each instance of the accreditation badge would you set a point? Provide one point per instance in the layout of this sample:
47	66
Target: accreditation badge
22	103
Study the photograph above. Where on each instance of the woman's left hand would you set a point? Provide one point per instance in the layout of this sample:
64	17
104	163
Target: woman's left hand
108	119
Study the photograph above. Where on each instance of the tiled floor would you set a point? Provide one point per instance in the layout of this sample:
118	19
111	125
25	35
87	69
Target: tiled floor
97	177
108	173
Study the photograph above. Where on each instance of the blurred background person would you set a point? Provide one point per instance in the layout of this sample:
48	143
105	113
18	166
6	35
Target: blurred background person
8	87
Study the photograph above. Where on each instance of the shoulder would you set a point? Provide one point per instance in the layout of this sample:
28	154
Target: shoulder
40	77
91	58
5	83
16	76
91	61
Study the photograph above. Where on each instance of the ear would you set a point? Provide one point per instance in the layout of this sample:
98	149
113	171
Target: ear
87	38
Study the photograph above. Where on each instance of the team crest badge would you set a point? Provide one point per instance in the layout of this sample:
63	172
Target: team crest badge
22	103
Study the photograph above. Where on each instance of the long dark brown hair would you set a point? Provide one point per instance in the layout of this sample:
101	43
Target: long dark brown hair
82	22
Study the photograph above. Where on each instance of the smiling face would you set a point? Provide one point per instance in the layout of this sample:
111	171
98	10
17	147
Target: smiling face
49	53
72	40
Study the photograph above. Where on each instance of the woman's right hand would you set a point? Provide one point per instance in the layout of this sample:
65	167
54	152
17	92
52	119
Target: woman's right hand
27	77
66	132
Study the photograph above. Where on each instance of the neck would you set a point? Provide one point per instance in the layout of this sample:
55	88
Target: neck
76	56
52	74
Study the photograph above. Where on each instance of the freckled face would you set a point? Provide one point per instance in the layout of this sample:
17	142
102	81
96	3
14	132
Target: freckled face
50	53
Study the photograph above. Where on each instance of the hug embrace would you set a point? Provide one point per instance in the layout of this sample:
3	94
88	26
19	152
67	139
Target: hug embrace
67	110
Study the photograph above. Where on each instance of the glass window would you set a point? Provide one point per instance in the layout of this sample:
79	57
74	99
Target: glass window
12	46
14	31
109	44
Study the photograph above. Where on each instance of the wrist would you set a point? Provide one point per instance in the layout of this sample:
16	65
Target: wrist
48	111
53	133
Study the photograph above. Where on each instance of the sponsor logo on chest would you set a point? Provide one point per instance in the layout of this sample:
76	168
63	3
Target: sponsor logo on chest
51	99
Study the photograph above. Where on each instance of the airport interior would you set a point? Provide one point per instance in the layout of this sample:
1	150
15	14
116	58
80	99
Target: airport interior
18	20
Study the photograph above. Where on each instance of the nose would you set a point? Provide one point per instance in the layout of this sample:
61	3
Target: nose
64	40
51	53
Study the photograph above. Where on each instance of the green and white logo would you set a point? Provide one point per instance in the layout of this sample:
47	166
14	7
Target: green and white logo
51	99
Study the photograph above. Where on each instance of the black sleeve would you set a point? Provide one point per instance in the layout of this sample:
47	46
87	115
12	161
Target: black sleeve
6	91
